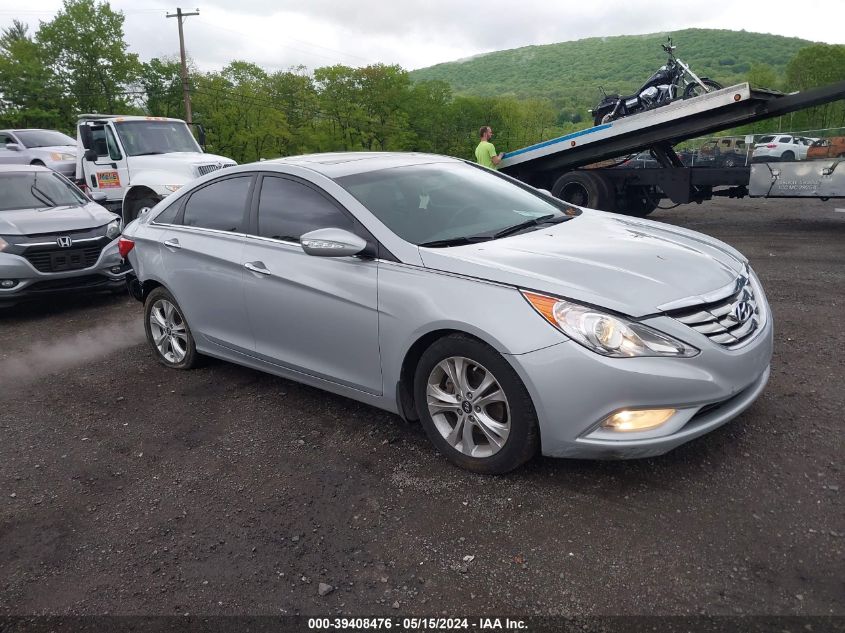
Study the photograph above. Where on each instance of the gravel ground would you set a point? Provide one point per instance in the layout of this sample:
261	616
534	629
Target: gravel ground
129	488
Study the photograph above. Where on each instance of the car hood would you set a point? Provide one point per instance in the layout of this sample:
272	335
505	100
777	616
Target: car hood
620	263
55	220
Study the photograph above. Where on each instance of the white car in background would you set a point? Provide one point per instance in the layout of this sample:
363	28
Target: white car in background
781	147
47	148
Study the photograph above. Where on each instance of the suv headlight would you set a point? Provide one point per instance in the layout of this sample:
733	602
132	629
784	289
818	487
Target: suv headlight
113	229
604	333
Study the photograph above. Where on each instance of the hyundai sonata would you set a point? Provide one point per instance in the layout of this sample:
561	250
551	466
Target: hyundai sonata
506	321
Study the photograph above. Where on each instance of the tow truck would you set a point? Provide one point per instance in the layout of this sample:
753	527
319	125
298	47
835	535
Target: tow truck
571	166
136	161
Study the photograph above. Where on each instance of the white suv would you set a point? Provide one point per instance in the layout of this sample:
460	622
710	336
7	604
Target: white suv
781	148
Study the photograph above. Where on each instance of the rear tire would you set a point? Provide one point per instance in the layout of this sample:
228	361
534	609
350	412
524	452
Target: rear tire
485	420
639	202
167	331
694	90
584	188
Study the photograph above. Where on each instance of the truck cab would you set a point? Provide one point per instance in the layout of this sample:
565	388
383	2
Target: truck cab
138	160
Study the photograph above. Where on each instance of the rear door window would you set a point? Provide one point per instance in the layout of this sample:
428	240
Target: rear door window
220	205
785	139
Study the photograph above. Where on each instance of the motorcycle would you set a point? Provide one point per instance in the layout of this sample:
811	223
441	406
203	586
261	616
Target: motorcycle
663	87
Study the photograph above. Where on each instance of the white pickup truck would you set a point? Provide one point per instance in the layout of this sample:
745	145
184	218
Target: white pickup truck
138	160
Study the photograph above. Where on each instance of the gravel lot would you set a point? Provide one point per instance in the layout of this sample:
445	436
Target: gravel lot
129	488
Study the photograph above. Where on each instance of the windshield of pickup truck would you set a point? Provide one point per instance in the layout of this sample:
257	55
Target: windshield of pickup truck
37	190
449	204
44	138
142	138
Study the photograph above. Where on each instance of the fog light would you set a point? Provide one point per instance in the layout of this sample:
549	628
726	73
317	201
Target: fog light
8	283
637	420
116	269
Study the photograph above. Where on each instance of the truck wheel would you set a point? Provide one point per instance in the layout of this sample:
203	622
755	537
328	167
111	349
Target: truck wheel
639	202
133	208
585	189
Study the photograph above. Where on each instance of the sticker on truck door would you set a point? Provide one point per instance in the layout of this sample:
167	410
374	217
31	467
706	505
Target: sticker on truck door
108	180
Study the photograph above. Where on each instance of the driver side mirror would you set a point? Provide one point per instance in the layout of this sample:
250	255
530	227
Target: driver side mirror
90	155
13	147
332	242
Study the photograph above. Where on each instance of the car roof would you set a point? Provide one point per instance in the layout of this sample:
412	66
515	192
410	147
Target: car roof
4	169
338	164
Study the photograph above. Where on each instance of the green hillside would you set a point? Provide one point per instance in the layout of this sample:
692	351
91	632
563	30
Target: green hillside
571	73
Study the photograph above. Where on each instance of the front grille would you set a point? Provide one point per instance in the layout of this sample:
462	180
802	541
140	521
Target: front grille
728	321
69	283
60	260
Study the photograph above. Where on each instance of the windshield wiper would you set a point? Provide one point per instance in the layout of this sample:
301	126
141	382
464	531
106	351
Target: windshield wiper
456	241
551	218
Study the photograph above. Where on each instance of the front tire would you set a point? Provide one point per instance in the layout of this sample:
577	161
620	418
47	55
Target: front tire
787	156
134	207
168	332
474	407
695	90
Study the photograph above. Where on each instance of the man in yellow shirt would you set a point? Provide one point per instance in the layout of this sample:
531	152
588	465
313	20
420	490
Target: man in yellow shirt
485	153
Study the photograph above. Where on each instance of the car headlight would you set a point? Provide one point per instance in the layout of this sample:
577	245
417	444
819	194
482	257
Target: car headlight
3	244
604	333
113	229
58	156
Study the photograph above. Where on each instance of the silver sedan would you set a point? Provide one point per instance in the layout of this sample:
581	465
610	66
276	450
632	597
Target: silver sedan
47	148
506	321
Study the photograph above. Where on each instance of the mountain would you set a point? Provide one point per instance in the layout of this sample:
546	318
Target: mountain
571	73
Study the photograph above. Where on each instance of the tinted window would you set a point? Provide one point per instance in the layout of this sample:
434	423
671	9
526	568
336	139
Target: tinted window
168	216
5	138
219	205
287	209
785	139
766	139
44	138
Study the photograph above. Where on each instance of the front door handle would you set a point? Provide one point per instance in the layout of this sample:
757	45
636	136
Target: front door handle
174	243
257	267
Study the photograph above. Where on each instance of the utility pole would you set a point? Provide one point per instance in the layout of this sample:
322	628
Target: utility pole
185	88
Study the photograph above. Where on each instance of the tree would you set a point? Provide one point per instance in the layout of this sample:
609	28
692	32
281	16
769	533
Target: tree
84	44
30	90
162	84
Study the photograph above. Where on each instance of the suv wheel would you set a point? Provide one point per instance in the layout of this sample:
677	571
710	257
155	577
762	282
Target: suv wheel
474	407
787	156
168	332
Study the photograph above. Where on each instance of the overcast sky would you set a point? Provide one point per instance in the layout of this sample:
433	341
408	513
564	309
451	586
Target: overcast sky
277	34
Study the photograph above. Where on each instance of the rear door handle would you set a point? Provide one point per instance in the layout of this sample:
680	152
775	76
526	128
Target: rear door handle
257	267
174	243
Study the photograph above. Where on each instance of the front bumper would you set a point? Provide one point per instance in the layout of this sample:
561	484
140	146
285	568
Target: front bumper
574	389
108	273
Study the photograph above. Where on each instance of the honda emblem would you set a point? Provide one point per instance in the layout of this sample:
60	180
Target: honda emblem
64	241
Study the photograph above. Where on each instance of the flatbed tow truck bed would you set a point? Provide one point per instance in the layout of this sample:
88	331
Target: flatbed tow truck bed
558	164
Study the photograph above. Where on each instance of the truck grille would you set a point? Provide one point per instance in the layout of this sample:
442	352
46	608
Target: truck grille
202	170
729	321
56	261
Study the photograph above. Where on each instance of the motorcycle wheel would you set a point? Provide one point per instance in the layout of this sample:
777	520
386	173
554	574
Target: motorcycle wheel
694	90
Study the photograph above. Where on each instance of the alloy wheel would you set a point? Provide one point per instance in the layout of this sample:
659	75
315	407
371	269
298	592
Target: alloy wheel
168	330
468	406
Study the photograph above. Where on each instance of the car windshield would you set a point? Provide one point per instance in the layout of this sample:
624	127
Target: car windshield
37	190
141	138
442	202
43	138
